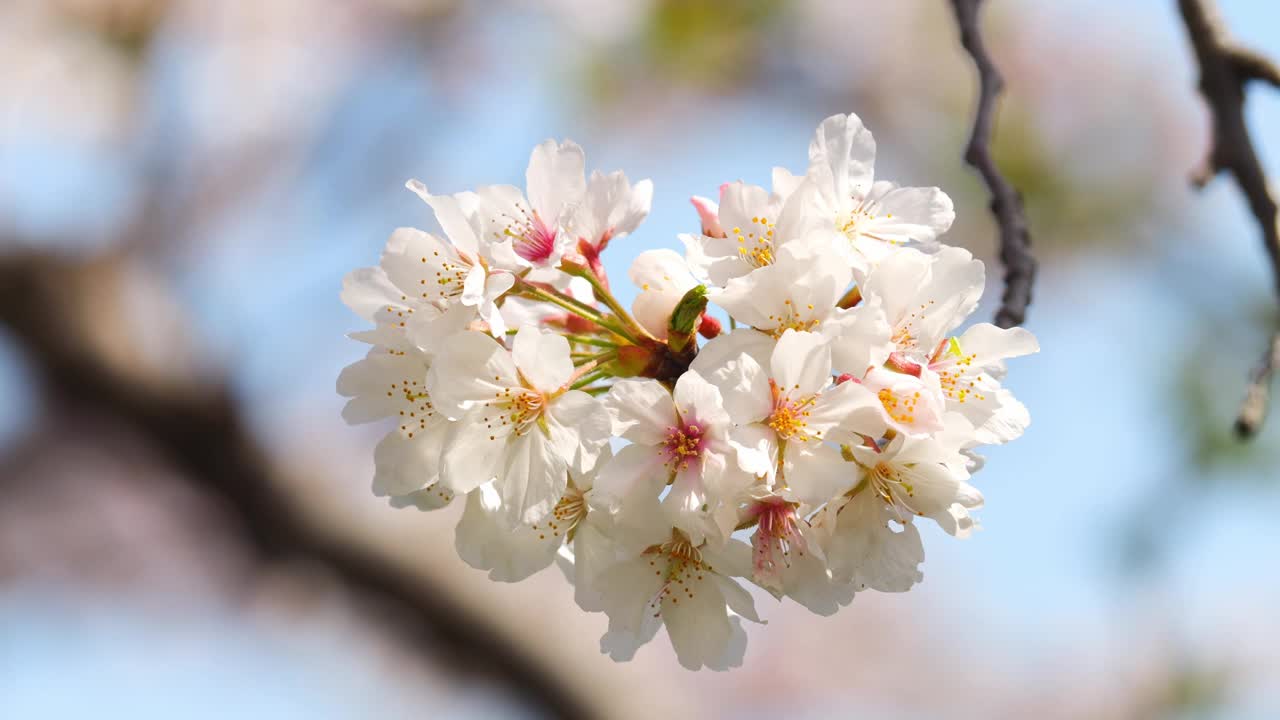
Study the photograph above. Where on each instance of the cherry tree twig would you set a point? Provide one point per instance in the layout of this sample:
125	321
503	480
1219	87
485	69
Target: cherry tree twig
1006	203
53	306
1225	70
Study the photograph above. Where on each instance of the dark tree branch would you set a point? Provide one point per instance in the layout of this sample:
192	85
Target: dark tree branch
1254	409
1006	203
1225	69
49	304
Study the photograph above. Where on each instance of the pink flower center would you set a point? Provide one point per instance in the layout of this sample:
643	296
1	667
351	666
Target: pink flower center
776	538
684	445
536	242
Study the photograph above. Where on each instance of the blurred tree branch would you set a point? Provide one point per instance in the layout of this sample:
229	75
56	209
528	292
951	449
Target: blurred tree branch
66	315
1225	69
1006	203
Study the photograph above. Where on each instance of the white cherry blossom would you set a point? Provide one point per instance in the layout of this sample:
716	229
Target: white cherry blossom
925	298
517	423
530	232
485	542
784	414
876	216
390	383
649	575
969	368
678	438
749	227
799	290
787	555
871	539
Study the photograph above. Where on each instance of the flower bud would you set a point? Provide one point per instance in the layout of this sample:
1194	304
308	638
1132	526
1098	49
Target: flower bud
709	327
685	318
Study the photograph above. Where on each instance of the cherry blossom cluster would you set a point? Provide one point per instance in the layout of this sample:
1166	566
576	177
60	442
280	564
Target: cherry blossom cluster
664	461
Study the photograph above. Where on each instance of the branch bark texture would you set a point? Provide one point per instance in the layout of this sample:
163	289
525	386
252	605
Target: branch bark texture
1225	69
1006	203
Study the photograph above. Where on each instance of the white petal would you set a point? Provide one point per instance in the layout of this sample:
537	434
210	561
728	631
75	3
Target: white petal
801	363
473	368
473	453
836	406
756	446
430	331
580	427
988	344
612	207
867	552
643	411
626	591
403	466
742	206
713	260
556	178
785	182
543	358
697	623
736	596
1008	422
381	385
843	149
923	296
817	473
454	213
473	287
593	552
714	358
699	401
744	386
368	290
661	268
484	543
532	478
806	580
429	498
861	337
908	214
634	469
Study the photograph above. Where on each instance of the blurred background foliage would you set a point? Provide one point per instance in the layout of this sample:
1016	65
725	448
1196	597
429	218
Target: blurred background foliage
208	171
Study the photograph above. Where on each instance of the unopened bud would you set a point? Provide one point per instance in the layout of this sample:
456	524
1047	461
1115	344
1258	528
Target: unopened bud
709	214
708	326
685	318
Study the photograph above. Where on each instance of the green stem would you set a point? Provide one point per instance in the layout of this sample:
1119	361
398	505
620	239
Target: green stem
612	303
577	307
598	358
588	340
563	301
589	378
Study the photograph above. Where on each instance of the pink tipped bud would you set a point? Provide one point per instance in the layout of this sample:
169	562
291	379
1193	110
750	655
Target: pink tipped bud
709	214
708	327
845	377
